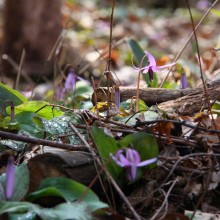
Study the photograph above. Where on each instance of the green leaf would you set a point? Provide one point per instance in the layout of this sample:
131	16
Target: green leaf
144	143
41	108
59	125
68	189
21	184
106	145
216	12
14	145
29	122
127	105
139	54
216	107
6	93
16	207
83	89
24	216
76	211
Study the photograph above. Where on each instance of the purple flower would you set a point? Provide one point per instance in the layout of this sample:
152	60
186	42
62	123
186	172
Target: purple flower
117	96
69	86
59	93
184	82
152	66
70	82
10	177
131	161
203	4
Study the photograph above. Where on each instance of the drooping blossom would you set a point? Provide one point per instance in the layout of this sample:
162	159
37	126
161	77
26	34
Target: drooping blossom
184	82
203	4
70	82
10	178
130	159
152	67
61	91
117	96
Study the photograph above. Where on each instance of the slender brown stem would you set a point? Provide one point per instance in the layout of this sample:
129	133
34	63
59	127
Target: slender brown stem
188	39
108	66
200	67
20	69
138	85
12	136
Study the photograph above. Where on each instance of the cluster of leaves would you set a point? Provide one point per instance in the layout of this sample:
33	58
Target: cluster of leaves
80	201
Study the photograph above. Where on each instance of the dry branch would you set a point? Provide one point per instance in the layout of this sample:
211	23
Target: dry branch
181	101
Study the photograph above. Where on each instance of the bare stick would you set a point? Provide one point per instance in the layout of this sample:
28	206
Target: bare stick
188	39
200	67
11	136
108	66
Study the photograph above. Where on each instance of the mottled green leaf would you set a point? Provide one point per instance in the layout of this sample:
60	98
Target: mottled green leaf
106	145
41	108
68	189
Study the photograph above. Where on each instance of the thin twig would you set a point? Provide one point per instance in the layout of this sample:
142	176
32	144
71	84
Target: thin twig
20	69
165	202
188	39
186	157
108	66
138	84
12	136
184	123
200	67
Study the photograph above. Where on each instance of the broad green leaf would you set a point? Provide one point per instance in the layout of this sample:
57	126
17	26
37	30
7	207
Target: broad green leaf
27	122
21	184
6	93
24	216
127	105
59	125
14	145
151	115
216	107
216	12
83	89
64	211
41	108
144	143
16	207
68	189
106	145
139	54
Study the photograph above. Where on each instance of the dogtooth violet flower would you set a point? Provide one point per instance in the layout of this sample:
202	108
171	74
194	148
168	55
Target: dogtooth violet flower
10	178
152	67
68	86
130	159
184	83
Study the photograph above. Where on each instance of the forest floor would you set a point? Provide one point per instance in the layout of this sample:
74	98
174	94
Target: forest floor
66	136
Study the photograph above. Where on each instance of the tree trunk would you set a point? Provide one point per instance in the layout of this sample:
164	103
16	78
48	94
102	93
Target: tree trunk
33	26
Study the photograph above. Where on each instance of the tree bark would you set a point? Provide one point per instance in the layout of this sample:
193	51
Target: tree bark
33	26
181	101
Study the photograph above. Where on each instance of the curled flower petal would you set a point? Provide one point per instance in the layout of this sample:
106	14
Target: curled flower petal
117	96
133	156
147	162
70	81
132	173
152	67
10	177
130	159
152	61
